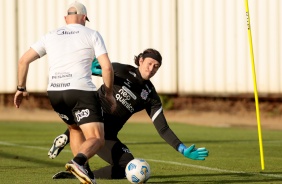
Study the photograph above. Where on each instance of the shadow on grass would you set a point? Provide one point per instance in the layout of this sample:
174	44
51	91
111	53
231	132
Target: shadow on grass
49	163
244	178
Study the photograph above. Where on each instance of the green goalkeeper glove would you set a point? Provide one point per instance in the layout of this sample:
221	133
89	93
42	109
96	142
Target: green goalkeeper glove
192	152
96	68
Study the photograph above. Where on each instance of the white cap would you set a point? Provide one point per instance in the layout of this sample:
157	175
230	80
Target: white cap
80	9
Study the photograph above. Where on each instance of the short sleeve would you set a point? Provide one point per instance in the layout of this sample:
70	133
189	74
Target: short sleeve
39	46
99	45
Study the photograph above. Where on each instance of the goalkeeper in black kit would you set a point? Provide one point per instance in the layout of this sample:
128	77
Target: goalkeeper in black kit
134	92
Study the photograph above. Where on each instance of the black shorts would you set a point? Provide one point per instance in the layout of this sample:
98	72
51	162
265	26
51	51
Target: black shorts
76	106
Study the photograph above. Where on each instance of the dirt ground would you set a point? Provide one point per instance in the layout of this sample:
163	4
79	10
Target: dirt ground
197	111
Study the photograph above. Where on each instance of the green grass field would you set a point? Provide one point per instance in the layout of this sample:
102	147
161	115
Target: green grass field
234	154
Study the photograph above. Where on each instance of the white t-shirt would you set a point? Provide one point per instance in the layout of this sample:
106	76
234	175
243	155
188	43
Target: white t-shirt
71	50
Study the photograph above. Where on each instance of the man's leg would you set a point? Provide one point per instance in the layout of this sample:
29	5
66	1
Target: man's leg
76	137
84	144
94	138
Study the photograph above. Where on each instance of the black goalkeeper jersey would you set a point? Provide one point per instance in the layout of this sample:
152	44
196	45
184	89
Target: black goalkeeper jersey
134	94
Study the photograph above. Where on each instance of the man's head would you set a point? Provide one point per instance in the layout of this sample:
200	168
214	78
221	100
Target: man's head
148	63
76	13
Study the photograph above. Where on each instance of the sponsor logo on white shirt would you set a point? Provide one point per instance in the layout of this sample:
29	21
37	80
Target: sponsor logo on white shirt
64	32
60	85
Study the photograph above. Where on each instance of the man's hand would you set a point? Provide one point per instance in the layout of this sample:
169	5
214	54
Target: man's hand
19	97
112	102
193	153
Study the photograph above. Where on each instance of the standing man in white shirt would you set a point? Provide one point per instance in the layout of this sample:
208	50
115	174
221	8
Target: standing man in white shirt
71	50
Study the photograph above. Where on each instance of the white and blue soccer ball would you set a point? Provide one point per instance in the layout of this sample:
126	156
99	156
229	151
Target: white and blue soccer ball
137	171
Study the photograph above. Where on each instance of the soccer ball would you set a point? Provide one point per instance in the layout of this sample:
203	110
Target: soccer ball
137	171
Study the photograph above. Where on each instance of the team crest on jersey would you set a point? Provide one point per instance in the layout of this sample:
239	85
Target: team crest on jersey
144	94
82	114
62	116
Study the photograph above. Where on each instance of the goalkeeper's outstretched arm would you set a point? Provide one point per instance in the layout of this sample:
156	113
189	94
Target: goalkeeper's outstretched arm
169	136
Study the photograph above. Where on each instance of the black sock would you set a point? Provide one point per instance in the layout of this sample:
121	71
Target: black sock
80	158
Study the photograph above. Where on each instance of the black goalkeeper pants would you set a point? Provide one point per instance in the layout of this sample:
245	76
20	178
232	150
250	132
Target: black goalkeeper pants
117	155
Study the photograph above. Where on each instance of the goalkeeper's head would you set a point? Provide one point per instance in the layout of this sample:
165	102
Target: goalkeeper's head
148	62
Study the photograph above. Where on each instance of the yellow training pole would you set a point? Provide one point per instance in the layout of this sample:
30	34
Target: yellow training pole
255	84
